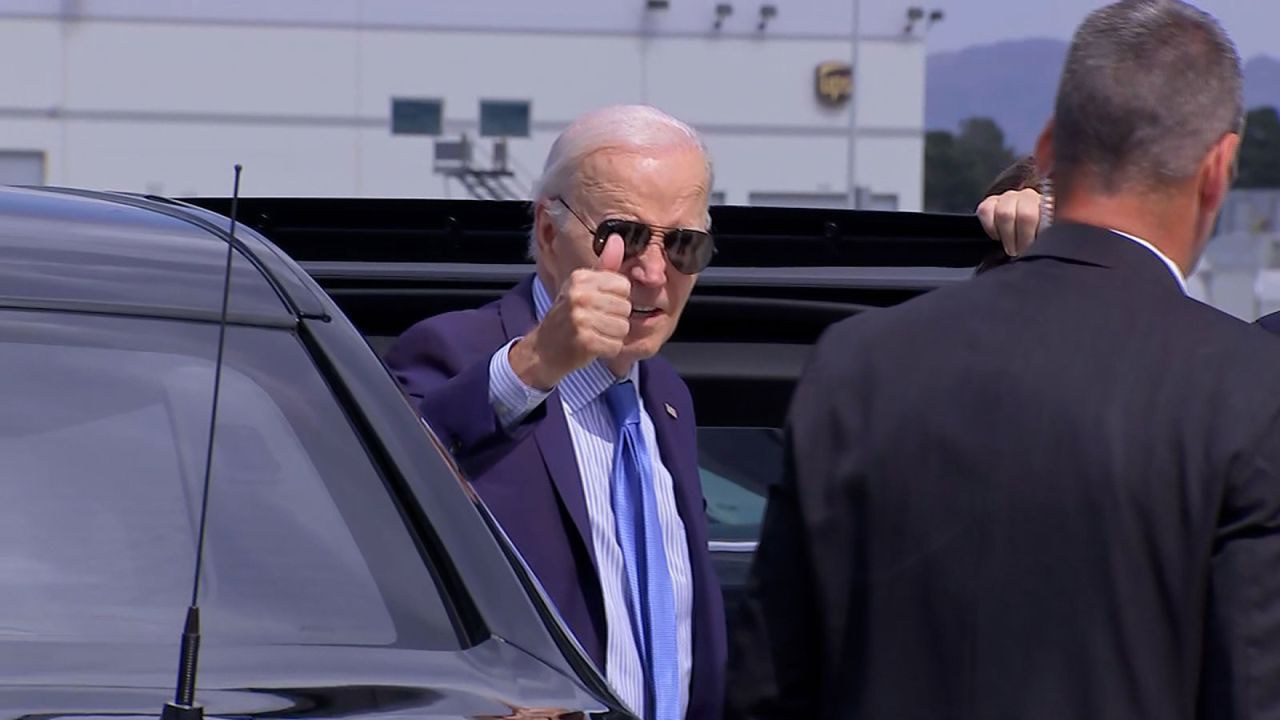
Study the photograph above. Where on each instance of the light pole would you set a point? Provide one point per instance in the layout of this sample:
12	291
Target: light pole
853	109
914	14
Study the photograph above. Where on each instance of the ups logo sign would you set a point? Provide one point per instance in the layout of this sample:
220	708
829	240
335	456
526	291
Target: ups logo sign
833	81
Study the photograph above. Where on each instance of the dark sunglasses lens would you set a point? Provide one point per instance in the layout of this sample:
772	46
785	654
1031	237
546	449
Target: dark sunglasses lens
635	236
690	251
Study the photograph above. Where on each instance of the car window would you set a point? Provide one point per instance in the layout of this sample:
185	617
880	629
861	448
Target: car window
737	465
103	436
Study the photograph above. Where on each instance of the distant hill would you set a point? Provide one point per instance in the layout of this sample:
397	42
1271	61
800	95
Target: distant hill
1262	82
1014	82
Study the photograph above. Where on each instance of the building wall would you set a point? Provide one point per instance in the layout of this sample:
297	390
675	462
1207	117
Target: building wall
167	105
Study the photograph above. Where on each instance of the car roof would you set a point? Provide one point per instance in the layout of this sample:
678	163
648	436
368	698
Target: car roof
68	249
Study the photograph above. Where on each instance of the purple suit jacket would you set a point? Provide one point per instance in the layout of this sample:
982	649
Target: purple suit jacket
529	480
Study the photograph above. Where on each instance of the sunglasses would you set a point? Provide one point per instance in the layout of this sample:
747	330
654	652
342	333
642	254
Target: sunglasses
689	251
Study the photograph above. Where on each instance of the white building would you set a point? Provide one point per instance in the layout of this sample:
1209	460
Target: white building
164	96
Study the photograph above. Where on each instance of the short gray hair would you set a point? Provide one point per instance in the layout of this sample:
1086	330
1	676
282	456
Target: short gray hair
1148	87
626	127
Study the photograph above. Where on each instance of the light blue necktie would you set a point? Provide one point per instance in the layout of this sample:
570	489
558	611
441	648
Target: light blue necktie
635	511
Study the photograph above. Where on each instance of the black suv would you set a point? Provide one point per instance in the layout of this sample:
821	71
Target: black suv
348	571
781	276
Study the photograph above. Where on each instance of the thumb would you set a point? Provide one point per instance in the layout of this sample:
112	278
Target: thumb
611	255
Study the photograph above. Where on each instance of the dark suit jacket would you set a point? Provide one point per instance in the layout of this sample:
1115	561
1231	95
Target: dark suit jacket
1270	323
529	478
1052	492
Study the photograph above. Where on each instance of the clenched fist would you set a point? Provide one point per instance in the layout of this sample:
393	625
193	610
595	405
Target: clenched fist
1013	218
589	319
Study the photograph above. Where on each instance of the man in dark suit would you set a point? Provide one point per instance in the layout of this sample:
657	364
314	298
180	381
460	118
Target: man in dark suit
578	439
1270	323
1054	491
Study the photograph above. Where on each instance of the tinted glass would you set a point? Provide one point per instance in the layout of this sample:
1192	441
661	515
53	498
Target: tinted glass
737	466
103	435
62	248
504	118
416	117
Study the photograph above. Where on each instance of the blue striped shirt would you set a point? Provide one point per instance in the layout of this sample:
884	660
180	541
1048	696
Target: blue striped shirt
592	428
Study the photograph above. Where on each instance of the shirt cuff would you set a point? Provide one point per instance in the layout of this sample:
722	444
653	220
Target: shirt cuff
511	398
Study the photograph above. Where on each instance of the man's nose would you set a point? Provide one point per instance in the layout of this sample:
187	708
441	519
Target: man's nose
650	266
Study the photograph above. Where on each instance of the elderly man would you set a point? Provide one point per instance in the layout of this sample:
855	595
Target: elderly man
579	439
1090	529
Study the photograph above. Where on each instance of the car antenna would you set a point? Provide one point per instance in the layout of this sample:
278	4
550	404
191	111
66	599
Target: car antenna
183	706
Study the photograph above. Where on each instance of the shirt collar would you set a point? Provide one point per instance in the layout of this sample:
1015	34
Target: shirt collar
1173	267
587	383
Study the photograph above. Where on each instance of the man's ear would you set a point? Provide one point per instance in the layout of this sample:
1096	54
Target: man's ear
1044	150
544	226
1218	171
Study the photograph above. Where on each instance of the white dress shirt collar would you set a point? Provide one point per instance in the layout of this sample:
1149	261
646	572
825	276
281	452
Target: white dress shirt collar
1173	267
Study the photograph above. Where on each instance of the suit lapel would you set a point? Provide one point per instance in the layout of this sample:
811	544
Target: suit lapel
556	446
552	434
670	424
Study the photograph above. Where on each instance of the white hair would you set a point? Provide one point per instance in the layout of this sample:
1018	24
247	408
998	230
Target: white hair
615	127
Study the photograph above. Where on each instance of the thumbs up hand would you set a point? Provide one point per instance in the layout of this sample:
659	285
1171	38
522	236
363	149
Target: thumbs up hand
611	254
589	319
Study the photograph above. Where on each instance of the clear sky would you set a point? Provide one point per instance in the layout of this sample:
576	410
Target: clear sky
1253	24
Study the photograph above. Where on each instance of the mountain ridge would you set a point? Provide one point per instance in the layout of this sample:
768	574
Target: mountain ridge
1014	83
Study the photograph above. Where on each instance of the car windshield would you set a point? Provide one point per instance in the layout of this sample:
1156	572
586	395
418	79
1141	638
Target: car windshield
103	437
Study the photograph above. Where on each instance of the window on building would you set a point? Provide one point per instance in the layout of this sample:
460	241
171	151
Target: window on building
21	167
717	197
416	116
880	201
504	118
799	199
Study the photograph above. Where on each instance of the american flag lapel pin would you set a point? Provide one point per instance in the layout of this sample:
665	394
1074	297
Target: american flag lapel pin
671	411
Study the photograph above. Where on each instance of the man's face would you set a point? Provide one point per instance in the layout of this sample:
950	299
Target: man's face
663	187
